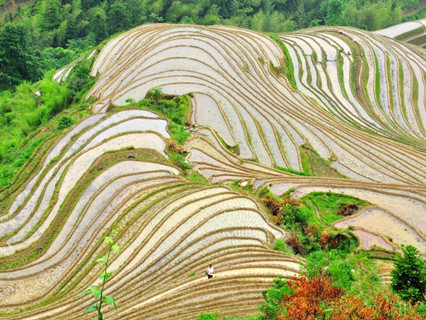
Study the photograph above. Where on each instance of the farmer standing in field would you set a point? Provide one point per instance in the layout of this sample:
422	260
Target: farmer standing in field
210	271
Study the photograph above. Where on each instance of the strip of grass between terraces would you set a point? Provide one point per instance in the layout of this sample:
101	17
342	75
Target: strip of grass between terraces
287	68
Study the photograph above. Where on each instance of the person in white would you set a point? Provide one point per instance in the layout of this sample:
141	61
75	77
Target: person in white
210	271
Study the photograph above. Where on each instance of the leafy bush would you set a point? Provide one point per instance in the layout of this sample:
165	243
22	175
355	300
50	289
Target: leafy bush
270	308
22	113
207	316
315	264
80	80
280	245
318	298
341	274
65	122
409	275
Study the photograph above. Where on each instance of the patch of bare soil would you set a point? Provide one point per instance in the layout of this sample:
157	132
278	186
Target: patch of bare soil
348	210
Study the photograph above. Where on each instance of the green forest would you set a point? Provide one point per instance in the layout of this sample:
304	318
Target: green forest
37	36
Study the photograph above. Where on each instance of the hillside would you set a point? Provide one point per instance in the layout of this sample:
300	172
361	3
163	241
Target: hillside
46	34
413	32
184	131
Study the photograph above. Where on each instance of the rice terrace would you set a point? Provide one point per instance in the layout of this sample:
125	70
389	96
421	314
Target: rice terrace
169	147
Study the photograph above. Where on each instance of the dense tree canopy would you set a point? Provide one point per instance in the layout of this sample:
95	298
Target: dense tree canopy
16	61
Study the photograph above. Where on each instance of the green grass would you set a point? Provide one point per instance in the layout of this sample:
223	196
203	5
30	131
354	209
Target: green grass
377	81
17	159
288	71
328	204
388	71
411	33
178	133
289	170
234	149
401	89
313	164
339	61
418	41
175	108
416	94
304	159
196	177
246	190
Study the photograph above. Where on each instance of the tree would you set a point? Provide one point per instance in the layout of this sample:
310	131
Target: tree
118	18
409	275
99	26
334	10
156	94
51	14
17	63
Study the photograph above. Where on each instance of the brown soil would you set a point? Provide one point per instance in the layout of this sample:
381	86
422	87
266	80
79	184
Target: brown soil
348	210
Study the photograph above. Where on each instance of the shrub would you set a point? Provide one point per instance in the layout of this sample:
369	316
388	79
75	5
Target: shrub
65	122
348	209
316	264
318	298
172	146
207	316
274	206
80	80
294	243
409	275
280	245
272	298
341	274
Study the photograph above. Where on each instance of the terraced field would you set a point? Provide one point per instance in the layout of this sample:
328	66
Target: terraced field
111	171
412	32
237	92
326	109
396	217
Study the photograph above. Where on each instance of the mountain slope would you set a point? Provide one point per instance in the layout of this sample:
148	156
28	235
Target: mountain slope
324	109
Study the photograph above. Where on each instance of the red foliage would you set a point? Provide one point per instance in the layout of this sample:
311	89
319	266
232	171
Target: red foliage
293	242
173	146
312	298
308	298
348	210
330	241
384	309
291	202
311	230
274	206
